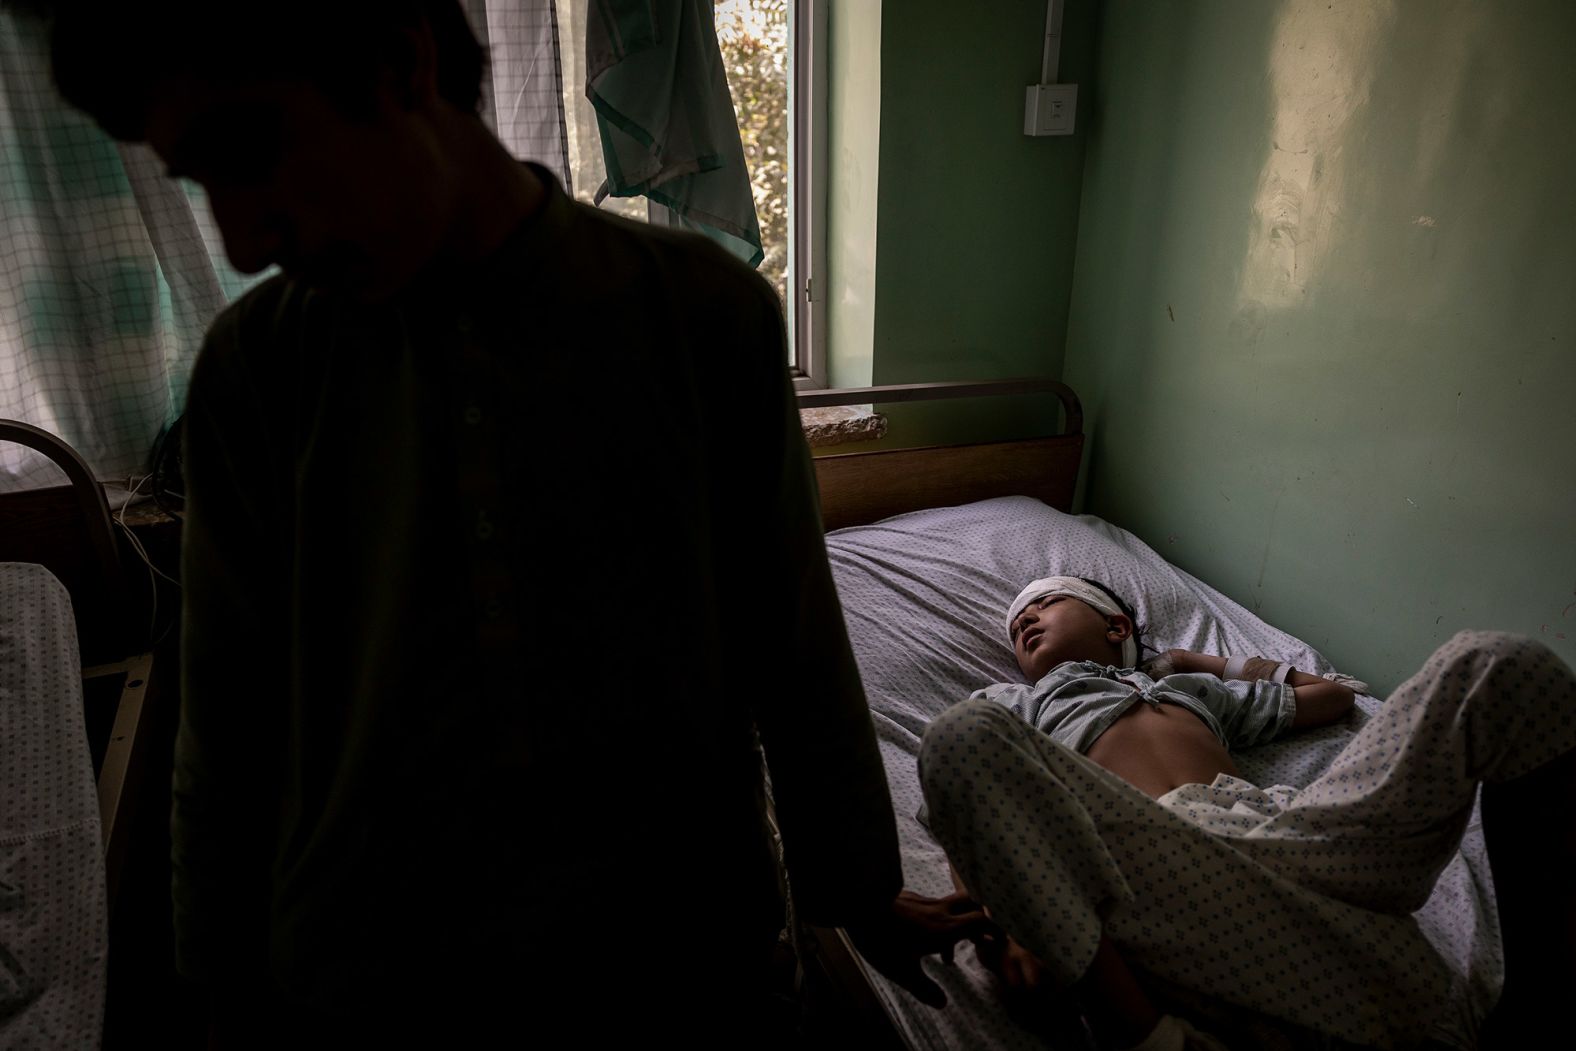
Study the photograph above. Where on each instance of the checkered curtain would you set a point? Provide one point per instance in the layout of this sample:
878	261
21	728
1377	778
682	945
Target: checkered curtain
523	99
110	273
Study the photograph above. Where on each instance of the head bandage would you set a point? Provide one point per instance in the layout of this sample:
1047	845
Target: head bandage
1084	592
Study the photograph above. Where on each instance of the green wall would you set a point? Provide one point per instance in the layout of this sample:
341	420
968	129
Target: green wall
975	222
1323	313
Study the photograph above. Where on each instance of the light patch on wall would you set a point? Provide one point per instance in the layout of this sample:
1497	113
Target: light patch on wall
1321	65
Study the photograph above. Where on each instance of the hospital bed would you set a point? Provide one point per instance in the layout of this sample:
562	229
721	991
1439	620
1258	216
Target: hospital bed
925	562
73	676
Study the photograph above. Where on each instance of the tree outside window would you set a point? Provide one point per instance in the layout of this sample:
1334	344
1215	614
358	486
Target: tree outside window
753	35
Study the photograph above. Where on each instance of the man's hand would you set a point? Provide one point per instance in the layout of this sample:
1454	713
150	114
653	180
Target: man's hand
1017	968
914	927
1027	993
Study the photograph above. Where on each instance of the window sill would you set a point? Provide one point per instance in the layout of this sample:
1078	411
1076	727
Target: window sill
841	424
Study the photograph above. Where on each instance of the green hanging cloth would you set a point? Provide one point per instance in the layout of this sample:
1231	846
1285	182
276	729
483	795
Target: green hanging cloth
654	75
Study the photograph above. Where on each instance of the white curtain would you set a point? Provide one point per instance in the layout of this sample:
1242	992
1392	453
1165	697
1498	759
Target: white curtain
523	97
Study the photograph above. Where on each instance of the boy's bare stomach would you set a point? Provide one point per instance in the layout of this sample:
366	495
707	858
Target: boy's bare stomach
1158	749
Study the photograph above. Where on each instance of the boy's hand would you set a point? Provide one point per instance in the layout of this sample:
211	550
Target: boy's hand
914	927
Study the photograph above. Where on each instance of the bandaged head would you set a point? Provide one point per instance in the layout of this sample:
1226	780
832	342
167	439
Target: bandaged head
1083	591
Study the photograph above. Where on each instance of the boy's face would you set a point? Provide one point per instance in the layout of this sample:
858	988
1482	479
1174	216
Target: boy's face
1059	628
352	205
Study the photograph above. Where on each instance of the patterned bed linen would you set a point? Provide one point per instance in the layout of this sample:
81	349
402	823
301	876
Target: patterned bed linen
923	596
53	922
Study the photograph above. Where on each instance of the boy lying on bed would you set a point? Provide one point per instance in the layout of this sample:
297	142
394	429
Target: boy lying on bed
1098	814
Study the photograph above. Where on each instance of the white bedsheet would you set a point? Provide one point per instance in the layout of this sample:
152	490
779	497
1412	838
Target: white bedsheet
53	923
924	594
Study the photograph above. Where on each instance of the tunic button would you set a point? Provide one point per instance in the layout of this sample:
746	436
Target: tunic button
464	323
493	609
472	415
484	528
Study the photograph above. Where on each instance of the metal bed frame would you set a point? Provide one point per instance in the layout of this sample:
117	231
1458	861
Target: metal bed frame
68	530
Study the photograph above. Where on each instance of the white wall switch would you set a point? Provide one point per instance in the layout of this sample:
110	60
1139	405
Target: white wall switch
1048	109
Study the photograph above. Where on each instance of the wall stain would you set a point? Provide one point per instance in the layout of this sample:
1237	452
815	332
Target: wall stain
1247	326
1264	561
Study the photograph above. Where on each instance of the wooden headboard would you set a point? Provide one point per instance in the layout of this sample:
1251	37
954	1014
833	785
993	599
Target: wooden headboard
859	488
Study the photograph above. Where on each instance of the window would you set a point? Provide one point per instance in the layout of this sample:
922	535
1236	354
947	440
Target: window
807	196
774	56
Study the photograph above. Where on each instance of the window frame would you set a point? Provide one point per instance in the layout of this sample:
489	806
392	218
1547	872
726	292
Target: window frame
807	47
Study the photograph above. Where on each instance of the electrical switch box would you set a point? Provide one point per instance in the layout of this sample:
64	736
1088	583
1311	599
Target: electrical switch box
1048	109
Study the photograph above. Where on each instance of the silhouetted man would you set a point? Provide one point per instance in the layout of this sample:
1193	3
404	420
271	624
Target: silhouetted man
501	553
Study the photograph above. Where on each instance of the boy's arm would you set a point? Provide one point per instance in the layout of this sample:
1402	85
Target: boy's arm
1319	701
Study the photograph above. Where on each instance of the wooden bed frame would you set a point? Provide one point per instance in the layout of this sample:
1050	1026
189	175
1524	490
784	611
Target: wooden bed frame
860	488
68	530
